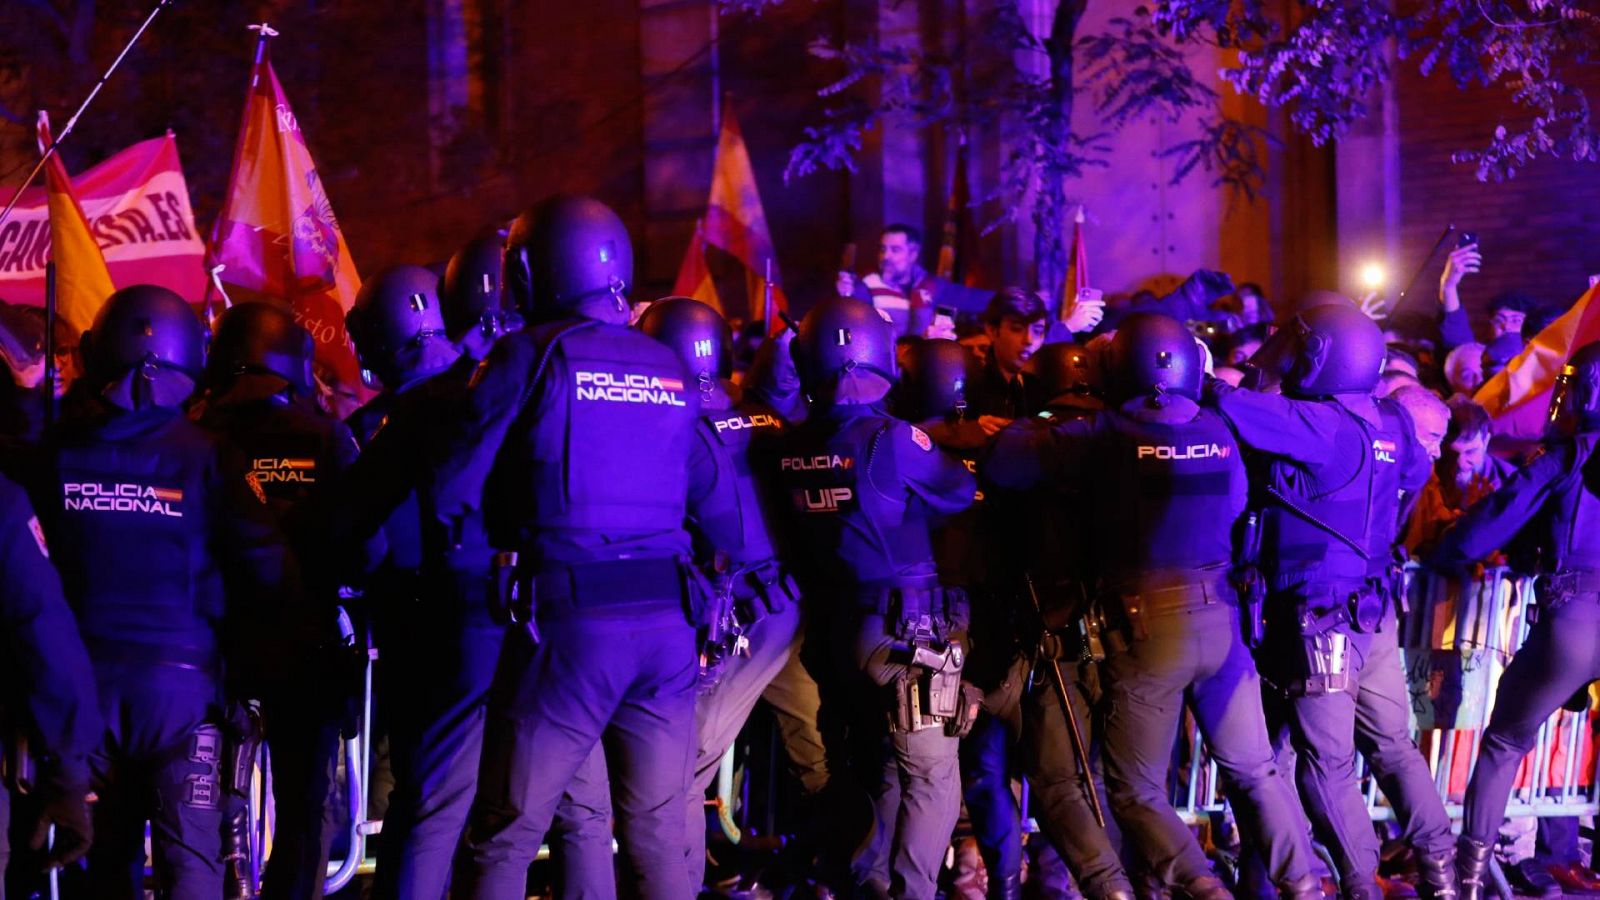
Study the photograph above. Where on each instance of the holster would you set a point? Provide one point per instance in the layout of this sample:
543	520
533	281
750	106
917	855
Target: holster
1327	664
929	693
243	731
512	598
1252	590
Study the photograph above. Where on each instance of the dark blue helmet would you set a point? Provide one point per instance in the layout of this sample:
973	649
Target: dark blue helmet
1575	399
933	381
564	255
1068	368
398	327
261	338
1153	353
145	325
1338	350
695	331
838	335
471	290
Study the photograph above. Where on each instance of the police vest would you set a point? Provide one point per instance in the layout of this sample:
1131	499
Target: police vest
1572	523
735	521
850	532
285	448
132	531
1313	537
402	531
1170	496
607	454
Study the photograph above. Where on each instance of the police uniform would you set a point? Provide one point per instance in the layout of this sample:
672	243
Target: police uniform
861	488
763	599
157	543
289	447
1171	487
1551	502
1334	479
48	660
574	441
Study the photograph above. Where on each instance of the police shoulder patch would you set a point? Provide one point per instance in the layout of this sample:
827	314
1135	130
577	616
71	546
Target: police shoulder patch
921	438
38	536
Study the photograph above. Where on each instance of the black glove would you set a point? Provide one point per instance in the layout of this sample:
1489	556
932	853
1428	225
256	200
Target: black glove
63	798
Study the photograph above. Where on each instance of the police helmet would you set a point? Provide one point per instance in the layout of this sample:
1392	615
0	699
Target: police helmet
933	380
144	325
1153	353
1338	350
565	252
470	290
695	331
1068	368
1575	399
261	338
839	335
395	317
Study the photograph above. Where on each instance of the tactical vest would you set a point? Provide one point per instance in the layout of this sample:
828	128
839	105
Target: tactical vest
1573	519
132	532
1311	526
402	531
734	521
606	454
850	533
285	446
1169	499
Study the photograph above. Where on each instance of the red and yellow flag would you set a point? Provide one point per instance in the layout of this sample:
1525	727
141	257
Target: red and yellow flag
734	220
1077	268
694	275
1518	397
277	234
83	283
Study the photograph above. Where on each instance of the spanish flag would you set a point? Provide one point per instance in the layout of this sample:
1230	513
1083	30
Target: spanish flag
694	275
735	222
83	283
276	234
1077	268
1518	397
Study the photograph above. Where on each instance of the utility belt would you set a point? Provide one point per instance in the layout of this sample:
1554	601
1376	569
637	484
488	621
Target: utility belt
202	660
1556	591
741	597
1083	639
903	605
1328	619
1128	609
520	596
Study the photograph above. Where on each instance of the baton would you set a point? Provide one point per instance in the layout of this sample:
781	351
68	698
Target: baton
1071	715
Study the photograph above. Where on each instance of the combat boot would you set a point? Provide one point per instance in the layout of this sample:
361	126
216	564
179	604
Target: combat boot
1472	866
1436	876
1306	887
1007	888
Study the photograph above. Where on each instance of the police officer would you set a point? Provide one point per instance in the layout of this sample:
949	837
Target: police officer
157	543
263	400
1337	463
50	664
1167	477
439	639
932	393
1060	559
755	635
549	446
475	312
861	488
1551	501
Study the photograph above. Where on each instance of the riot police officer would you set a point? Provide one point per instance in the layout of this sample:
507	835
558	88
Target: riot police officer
861	488
263	400
752	649
439	640
1337	462
1552	501
1167	478
57	685
589	523
471	291
158	544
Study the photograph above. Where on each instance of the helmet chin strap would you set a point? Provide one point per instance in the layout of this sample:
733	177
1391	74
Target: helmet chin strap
148	385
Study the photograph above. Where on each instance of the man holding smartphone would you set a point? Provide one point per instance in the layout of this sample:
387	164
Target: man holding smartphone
916	301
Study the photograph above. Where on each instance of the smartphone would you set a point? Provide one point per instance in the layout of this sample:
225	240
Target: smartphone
1090	295
1468	238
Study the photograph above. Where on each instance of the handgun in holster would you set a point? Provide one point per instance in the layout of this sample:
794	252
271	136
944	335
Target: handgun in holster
511	594
929	692
722	633
1327	663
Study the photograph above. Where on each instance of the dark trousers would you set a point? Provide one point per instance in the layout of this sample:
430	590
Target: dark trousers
985	756
911	778
1195	657
1562	654
1383	735
439	670
628	679
303	739
1059	800
159	762
720	712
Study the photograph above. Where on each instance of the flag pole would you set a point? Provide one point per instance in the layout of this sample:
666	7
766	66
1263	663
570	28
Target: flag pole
49	343
264	32
766	301
72	122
